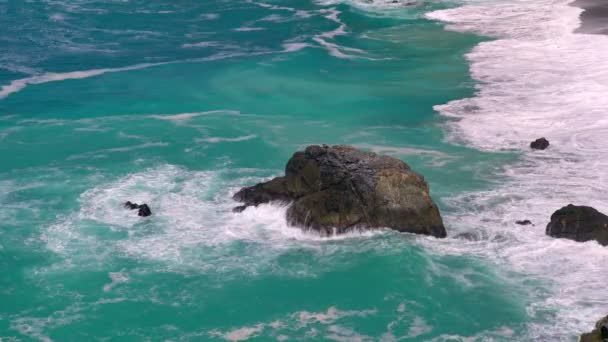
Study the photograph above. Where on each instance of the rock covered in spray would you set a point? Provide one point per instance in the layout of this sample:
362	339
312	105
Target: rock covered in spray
143	210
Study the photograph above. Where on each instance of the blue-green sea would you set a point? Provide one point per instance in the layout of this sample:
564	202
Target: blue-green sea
178	104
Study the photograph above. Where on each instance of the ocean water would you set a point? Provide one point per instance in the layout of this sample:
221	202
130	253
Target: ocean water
179	104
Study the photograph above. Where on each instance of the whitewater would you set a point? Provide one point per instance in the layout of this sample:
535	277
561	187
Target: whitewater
180	105
538	77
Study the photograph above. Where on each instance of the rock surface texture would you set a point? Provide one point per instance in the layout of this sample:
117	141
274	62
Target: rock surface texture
539	144
142	210
579	223
599	334
333	189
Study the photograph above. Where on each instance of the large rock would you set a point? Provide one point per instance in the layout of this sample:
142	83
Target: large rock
333	189
599	334
579	223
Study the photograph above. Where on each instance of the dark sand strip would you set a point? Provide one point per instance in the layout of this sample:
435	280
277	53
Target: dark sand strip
595	17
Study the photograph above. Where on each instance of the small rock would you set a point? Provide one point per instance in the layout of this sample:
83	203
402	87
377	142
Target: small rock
239	209
130	205
579	223
524	222
144	210
470	236
539	144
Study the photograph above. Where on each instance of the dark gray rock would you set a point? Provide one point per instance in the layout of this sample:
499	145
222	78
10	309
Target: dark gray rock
579	223
523	222
539	144
142	210
130	205
333	189
599	334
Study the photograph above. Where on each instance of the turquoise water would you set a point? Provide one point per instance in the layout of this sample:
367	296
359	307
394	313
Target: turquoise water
178	105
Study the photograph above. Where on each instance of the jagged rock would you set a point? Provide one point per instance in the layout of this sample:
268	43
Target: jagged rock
143	209
333	189
539	144
130	205
523	222
579	223
599	334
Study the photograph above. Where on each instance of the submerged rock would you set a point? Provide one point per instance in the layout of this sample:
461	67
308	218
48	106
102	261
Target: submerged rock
143	210
579	223
539	144
599	334
333	189
475	235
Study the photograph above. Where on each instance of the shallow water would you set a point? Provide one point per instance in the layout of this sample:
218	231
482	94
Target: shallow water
180	104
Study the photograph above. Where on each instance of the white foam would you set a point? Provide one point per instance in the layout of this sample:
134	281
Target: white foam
299	323
276	18
100	153
209	16
20	84
374	6
293	47
240	334
343	334
271	6
215	140
200	45
323	38
57	17
183	117
537	79
192	225
116	278
437	158
332	315
248	29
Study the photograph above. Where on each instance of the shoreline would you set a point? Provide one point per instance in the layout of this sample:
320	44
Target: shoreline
594	18
517	96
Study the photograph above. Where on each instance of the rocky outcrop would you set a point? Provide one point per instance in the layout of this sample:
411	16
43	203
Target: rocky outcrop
142	210
333	189
579	223
539	144
599	334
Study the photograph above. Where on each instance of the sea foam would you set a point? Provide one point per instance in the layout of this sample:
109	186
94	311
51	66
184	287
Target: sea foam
192	227
538	78
18	85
